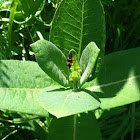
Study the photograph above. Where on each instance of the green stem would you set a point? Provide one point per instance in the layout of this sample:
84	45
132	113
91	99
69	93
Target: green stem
74	127
132	121
11	133
11	19
125	132
24	55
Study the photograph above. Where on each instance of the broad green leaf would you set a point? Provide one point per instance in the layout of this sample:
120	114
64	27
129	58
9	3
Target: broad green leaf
88	60
52	61
65	102
119	81
77	23
83	127
20	82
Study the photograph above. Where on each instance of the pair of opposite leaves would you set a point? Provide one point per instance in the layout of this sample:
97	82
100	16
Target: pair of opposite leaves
53	62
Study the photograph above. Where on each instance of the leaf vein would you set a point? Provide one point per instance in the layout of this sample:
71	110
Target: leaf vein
113	83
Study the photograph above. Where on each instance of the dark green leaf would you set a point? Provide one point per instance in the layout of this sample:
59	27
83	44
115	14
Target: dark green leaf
119	81
76	23
30	7
83	127
3	47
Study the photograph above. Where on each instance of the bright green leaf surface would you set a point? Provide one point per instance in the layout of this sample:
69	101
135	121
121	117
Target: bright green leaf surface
62	102
20	82
88	60
118	85
119	82
83	127
23	74
76	23
52	61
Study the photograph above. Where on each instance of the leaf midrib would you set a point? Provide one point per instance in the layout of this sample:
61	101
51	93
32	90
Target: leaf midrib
81	35
89	88
113	83
26	89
